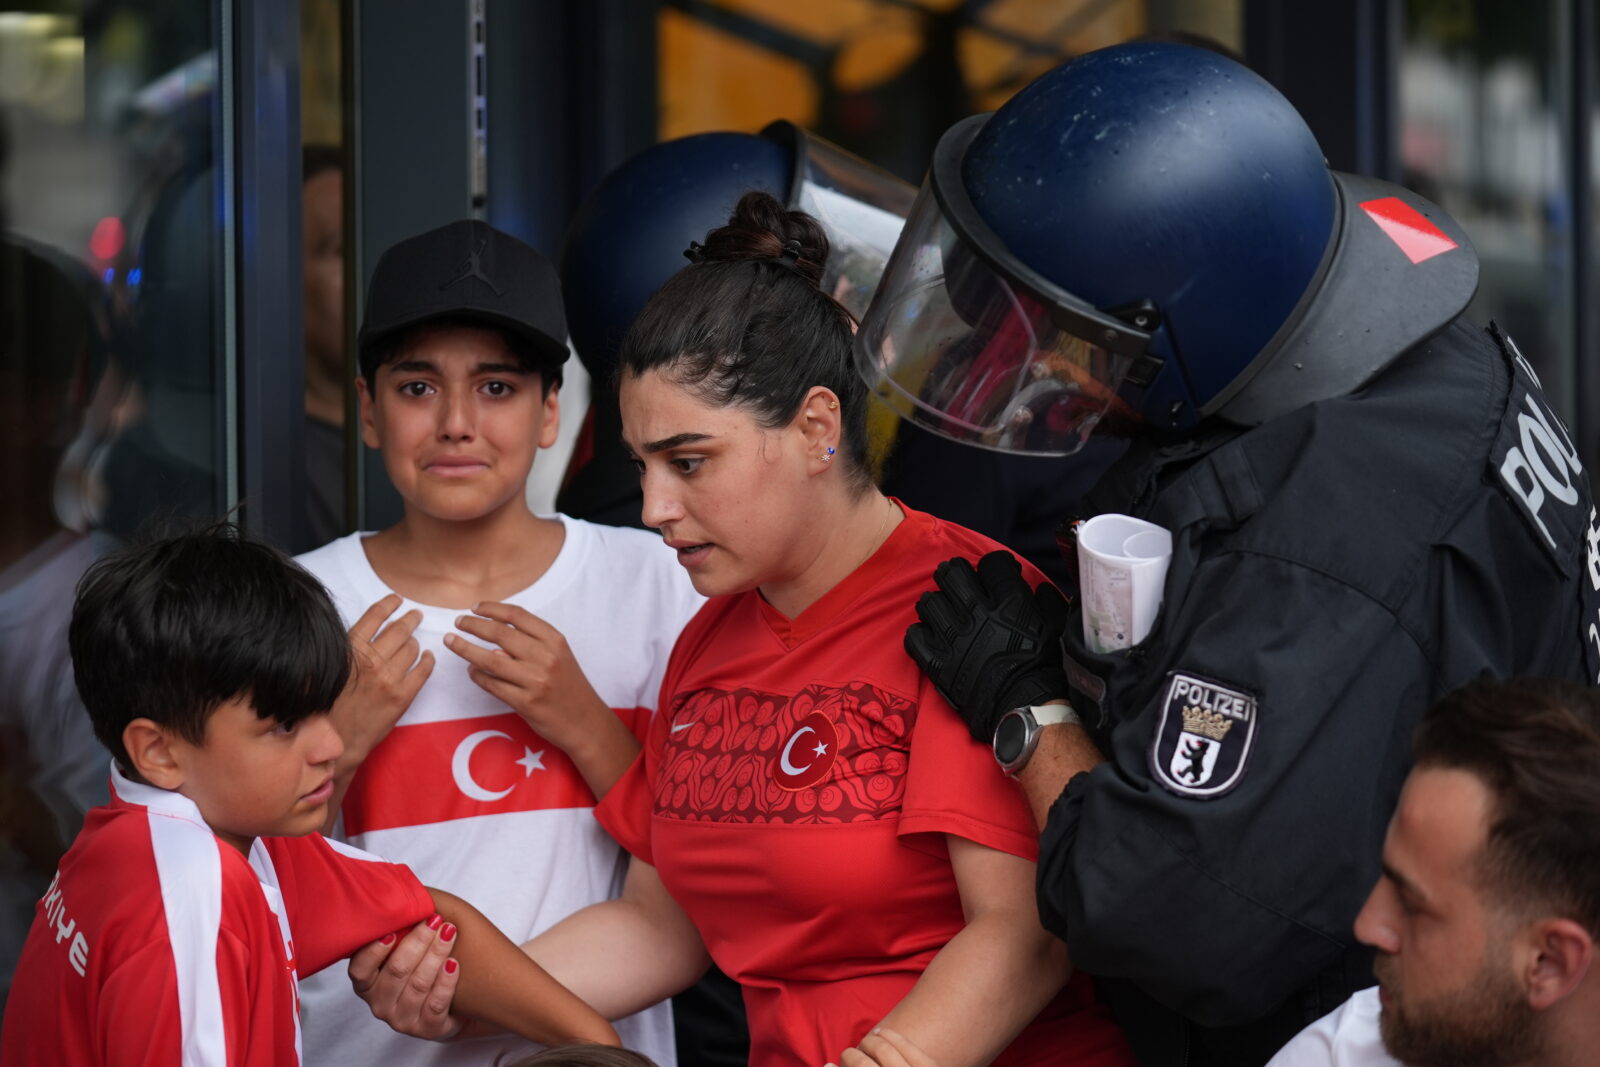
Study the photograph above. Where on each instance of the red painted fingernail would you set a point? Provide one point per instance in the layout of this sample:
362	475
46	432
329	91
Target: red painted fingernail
433	923
448	933
451	966
388	939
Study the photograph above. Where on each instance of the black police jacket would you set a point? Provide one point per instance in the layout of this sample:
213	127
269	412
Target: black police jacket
1334	571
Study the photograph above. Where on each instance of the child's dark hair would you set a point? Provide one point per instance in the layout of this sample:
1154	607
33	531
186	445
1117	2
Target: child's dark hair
391	347
170	630
586	1056
746	325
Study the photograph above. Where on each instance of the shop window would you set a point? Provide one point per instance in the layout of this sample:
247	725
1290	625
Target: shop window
115	397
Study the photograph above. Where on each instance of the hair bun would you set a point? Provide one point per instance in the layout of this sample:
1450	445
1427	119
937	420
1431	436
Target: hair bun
763	229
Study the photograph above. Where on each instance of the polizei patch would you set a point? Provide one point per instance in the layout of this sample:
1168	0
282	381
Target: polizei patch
1204	738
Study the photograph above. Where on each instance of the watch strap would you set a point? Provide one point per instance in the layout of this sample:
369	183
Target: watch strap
1055	714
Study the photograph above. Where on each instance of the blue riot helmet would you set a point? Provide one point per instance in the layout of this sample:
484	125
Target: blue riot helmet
629	236
1145	237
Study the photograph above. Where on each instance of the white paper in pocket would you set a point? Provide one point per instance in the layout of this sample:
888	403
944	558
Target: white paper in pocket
1122	568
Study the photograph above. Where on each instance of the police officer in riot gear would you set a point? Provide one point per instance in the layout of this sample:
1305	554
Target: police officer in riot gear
1370	503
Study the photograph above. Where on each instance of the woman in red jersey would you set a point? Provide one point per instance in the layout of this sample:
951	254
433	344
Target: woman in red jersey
805	798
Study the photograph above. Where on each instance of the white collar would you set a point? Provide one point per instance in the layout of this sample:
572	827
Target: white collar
165	801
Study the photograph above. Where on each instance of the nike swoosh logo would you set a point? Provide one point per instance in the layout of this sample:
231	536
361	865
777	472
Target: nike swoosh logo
677	726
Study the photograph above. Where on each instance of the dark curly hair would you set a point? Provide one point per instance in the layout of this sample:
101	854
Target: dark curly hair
747	325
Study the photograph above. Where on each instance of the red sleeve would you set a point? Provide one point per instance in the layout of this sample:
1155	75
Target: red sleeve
340	898
624	812
954	786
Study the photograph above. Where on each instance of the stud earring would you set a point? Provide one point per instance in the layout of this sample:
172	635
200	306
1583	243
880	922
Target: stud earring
826	456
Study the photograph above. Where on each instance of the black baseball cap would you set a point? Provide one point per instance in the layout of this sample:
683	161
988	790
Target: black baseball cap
472	272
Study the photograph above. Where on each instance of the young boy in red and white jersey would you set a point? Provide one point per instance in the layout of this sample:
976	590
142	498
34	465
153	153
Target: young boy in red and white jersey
180	921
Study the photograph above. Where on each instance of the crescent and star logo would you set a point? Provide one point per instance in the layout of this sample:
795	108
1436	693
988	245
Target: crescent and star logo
808	755
461	765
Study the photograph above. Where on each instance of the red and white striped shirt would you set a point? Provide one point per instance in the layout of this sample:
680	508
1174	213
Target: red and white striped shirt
159	944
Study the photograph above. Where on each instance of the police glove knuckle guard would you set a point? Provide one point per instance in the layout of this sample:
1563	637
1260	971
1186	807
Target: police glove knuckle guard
990	642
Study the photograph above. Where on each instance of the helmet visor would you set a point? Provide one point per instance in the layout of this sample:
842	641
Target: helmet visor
861	207
954	346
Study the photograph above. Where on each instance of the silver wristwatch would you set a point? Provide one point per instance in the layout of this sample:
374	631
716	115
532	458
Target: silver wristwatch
1016	735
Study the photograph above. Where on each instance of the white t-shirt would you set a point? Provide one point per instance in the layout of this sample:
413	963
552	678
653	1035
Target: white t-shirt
478	804
1345	1037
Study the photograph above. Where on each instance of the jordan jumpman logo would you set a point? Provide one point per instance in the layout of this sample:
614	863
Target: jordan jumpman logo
472	267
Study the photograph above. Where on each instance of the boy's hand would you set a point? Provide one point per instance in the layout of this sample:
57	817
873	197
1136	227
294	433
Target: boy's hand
409	982
388	673
534	672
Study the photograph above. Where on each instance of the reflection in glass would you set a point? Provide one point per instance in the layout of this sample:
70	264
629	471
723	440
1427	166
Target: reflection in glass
111	401
327	367
329	360
1481	96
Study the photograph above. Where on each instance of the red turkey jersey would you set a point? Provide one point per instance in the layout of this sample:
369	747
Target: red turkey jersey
158	944
795	794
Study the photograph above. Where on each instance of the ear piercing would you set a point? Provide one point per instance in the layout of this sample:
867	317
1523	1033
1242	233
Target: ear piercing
833	405
826	456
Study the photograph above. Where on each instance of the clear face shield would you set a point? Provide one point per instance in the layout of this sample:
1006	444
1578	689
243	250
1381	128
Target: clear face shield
970	344
861	207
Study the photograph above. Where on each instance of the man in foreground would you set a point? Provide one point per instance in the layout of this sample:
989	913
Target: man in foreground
1486	916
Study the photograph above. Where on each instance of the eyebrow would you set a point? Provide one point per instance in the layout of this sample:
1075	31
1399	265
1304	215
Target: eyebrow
1404	884
425	366
675	441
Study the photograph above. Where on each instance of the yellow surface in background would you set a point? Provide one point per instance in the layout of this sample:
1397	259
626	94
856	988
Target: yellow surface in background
321	96
711	80
819	21
878	50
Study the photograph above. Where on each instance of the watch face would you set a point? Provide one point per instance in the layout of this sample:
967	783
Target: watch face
1009	737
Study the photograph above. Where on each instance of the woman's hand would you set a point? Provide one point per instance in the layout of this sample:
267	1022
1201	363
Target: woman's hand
884	1047
408	982
534	672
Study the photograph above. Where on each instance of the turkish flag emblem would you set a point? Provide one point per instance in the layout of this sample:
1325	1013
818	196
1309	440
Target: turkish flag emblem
440	771
808	755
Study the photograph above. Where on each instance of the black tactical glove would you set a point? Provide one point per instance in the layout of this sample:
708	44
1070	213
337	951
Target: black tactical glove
989	642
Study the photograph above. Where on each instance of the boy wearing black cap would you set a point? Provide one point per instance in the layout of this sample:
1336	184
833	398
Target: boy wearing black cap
528	650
